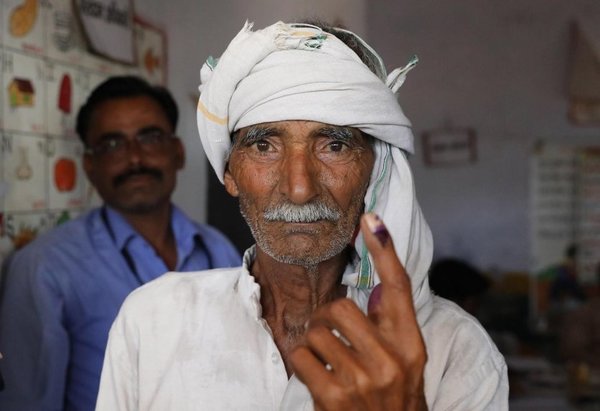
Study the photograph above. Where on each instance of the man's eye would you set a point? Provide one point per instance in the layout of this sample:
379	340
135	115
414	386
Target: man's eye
262	146
336	146
112	143
148	138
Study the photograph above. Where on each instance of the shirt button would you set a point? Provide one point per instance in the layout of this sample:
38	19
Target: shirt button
275	358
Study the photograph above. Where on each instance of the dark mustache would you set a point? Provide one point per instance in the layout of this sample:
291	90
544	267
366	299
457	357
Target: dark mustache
121	178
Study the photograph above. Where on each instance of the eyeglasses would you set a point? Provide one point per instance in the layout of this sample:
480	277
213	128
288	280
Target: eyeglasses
117	144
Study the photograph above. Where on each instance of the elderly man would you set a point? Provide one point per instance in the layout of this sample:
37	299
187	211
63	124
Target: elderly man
301	123
63	291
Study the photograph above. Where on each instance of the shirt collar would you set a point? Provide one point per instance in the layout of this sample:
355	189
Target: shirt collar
248	258
122	232
186	233
247	285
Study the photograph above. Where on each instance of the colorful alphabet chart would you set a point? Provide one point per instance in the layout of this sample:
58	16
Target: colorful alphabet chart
46	74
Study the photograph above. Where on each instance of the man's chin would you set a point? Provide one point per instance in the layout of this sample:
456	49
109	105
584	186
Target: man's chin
137	207
303	261
304	254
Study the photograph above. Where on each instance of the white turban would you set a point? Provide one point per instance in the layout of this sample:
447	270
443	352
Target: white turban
299	72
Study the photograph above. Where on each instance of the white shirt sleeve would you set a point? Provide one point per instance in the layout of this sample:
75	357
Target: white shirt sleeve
119	381
465	370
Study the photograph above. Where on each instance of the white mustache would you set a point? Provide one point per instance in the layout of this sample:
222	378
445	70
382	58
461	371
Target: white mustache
306	213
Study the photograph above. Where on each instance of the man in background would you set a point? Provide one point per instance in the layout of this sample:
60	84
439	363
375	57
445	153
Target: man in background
565	290
63	291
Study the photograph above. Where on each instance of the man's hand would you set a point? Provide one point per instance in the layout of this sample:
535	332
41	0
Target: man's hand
378	362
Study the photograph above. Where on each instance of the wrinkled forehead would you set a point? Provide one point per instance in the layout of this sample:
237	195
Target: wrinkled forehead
298	129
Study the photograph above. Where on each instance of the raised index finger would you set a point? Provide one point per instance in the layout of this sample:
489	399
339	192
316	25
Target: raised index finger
392	304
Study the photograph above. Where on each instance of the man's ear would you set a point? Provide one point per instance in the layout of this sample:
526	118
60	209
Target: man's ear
230	184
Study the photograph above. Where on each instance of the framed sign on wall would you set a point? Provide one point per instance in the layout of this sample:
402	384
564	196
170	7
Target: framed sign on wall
449	146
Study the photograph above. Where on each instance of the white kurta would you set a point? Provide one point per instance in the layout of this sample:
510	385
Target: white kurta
197	341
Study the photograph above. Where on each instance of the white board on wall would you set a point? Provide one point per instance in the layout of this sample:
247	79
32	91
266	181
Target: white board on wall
565	207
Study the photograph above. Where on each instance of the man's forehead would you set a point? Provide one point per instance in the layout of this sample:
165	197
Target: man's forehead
303	126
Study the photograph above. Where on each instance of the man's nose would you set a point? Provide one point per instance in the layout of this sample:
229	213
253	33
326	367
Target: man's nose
134	151
299	179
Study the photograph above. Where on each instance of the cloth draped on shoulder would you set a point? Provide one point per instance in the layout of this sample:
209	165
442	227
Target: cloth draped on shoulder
300	72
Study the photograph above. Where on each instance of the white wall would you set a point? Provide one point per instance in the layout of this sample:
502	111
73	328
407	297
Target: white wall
501	68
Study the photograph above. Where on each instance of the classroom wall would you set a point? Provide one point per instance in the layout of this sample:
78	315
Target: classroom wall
501	68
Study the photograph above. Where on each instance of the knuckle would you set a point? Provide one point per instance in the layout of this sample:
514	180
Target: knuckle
389	373
364	382
415	365
315	334
415	355
342	307
336	397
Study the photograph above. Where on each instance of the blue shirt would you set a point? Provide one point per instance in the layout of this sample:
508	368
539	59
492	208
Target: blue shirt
62	292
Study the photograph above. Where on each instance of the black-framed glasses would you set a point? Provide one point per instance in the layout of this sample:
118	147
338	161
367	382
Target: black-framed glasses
150	141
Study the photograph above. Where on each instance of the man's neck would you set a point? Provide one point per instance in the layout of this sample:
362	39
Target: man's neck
155	227
291	293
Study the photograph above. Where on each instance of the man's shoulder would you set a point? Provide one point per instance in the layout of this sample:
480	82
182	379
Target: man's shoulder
464	368
459	337
211	234
53	257
218	277
61	238
213	239
181	288
448	319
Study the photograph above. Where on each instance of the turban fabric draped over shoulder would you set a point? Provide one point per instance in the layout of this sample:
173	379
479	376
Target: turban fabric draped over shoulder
299	72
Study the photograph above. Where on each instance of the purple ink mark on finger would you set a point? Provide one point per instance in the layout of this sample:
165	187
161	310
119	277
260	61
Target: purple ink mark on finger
382	234
374	298
378	229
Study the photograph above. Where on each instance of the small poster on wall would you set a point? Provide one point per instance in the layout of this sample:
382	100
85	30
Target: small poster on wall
151	51
108	28
450	146
22	25
24	92
64	39
584	74
63	97
24	171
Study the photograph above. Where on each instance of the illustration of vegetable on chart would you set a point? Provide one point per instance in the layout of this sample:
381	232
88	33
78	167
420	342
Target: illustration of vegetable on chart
23	18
